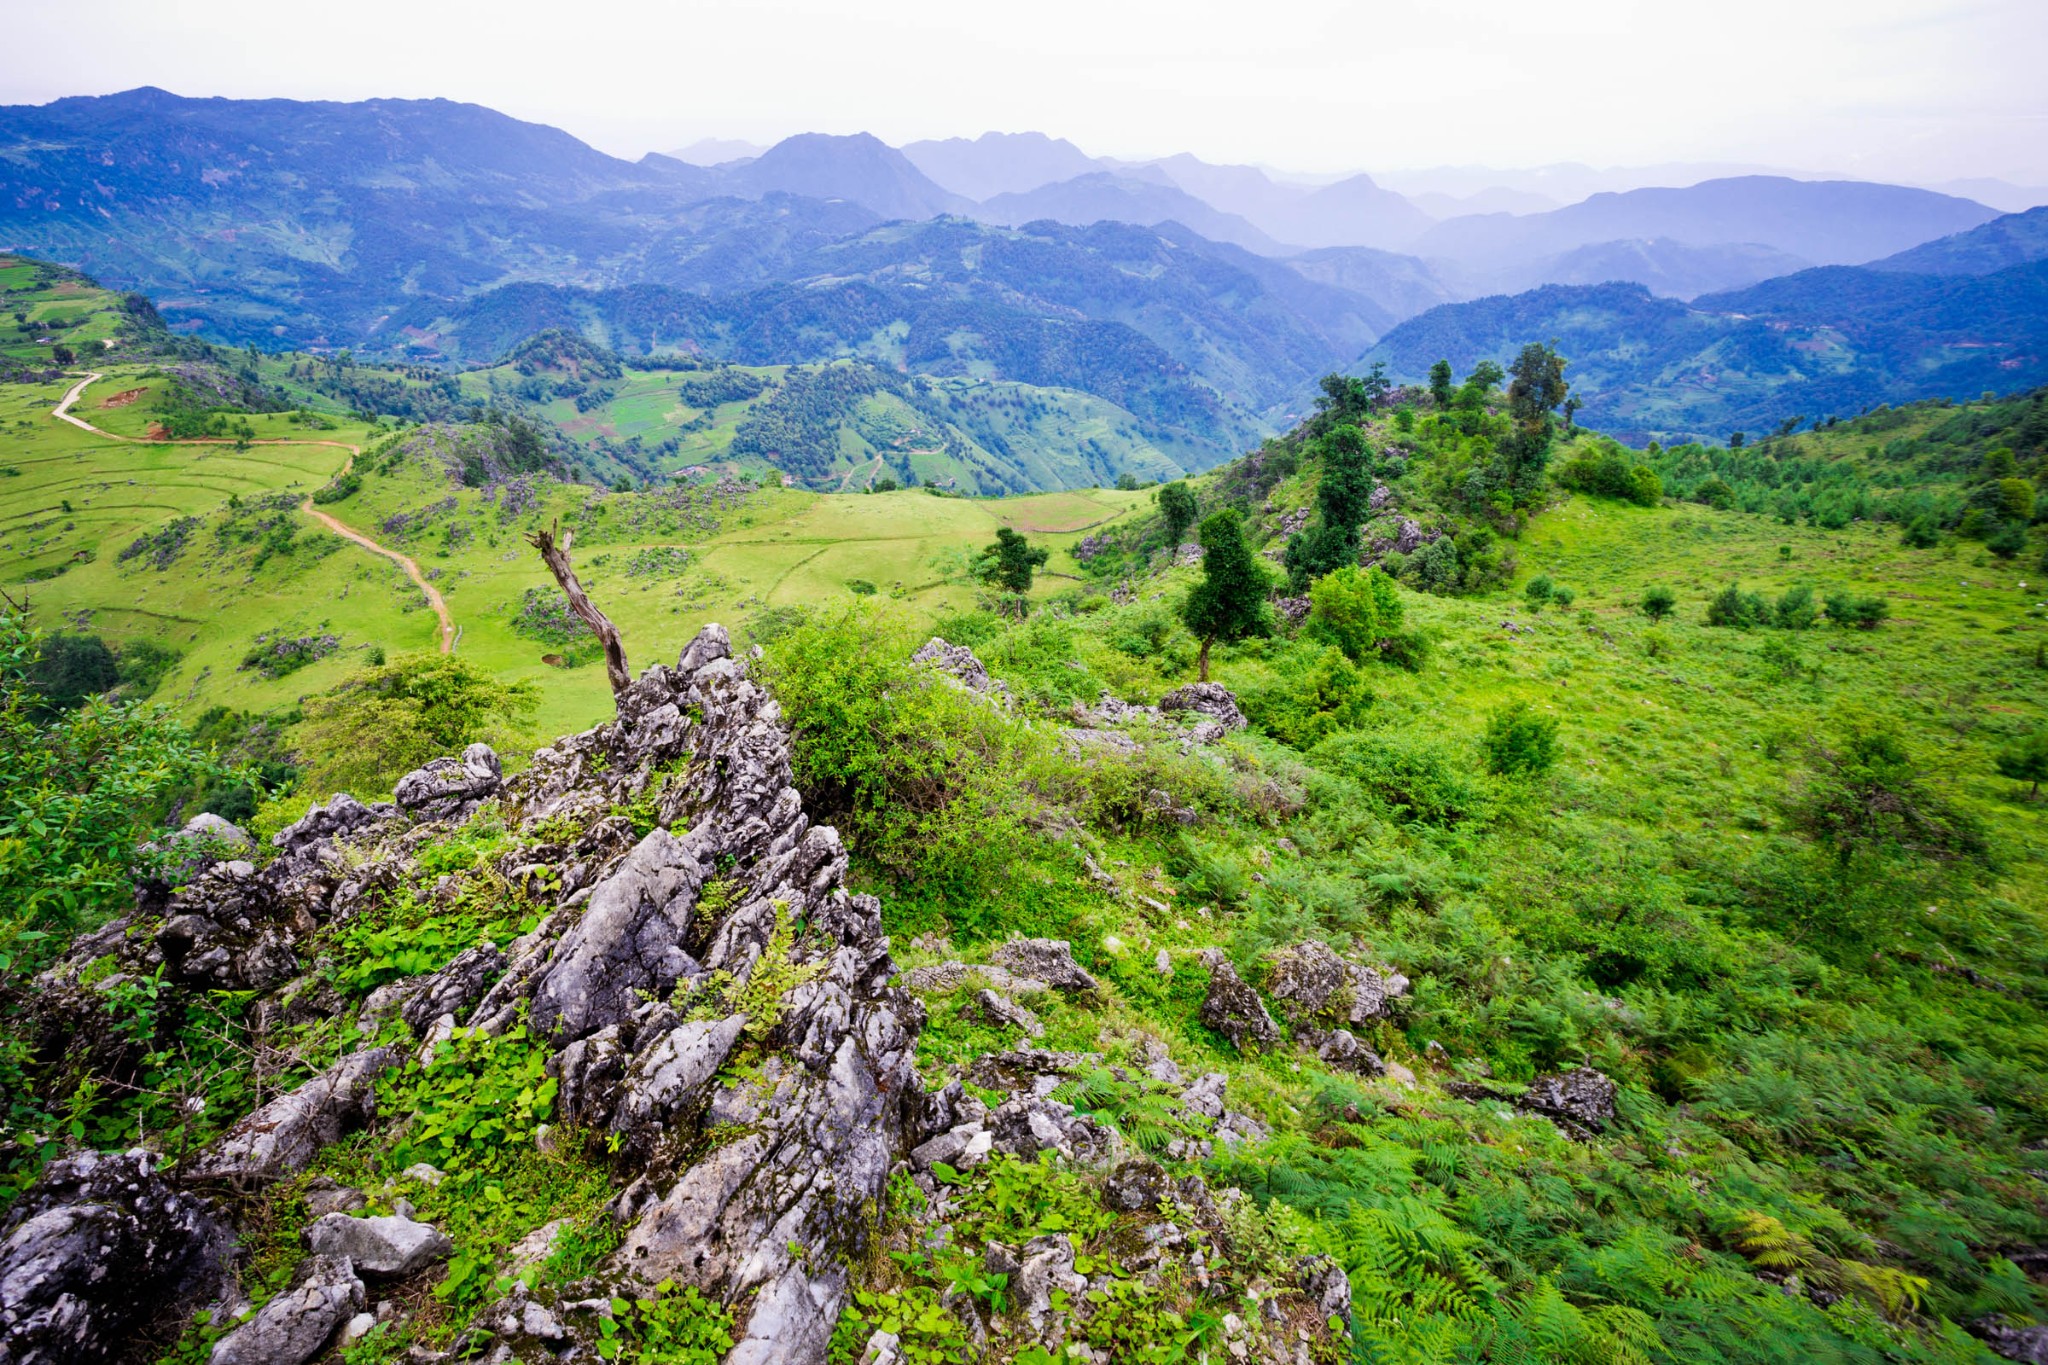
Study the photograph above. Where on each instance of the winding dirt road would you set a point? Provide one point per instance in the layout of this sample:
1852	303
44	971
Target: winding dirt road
62	412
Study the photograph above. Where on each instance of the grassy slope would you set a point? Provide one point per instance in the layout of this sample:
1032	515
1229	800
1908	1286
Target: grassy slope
784	547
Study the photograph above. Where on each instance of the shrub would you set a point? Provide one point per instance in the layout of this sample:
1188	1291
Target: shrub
381	722
931	784
1539	591
1795	610
1562	597
1658	603
1734	607
2009	541
1922	533
1518	742
1355	611
1316	693
1864	613
2025	760
68	671
1715	493
1420	780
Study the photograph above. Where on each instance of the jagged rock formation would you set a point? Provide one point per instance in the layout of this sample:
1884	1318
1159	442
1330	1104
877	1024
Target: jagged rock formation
767	1222
95	1249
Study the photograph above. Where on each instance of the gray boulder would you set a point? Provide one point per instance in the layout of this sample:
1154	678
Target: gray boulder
1209	699
1580	1101
1050	960
98	1248
454	988
296	1325
1136	1186
1343	1051
1002	1012
1234	1009
451	788
2026	1344
629	940
669	1076
382	1245
286	1134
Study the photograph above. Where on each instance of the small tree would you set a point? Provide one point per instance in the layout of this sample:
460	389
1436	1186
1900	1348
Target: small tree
1538	591
1343	501
1795	610
1177	509
2026	760
1010	562
1440	384
1658	603
1230	601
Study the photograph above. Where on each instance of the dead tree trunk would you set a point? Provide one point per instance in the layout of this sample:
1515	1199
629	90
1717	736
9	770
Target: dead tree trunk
556	557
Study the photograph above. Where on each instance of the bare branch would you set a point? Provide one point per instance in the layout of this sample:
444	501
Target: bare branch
556	557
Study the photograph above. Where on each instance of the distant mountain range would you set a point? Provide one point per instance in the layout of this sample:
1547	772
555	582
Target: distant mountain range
1206	298
1952	318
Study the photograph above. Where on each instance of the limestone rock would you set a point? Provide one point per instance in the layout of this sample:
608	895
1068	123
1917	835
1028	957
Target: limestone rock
1048	1265
959	663
2027	1345
98	1247
383	1245
1136	1186
1579	1101
286	1134
294	1327
1234	1009
1002	1012
450	788
629	940
454	988
1050	960
1343	1051
1210	699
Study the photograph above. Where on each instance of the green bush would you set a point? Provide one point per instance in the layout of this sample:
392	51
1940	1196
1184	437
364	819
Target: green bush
1518	742
1658	603
1863	613
1795	610
381	722
1734	607
1357	611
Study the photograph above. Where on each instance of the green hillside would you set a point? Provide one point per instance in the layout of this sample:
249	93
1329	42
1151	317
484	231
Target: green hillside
1685	790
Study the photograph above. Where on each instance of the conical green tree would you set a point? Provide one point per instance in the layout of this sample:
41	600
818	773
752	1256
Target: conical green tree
1230	601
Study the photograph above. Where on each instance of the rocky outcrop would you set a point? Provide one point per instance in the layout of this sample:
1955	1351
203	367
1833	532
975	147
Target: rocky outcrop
286	1134
1234	1009
1210	700
296	1325
647	975
959	663
451	788
1050	960
388	1244
1580	1101
98	1248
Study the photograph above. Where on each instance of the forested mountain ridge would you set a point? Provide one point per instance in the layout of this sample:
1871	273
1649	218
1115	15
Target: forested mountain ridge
1826	342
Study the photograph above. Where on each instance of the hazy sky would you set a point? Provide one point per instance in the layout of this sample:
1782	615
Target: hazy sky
1907	89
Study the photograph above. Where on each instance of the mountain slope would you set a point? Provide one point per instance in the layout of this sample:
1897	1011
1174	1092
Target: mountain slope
1829	341
999	163
1829	222
861	169
2015	239
1104	196
1664	267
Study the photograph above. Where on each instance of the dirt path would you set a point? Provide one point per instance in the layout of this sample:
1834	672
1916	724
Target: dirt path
62	412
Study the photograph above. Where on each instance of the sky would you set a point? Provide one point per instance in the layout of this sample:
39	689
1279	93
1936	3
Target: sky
1916	90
